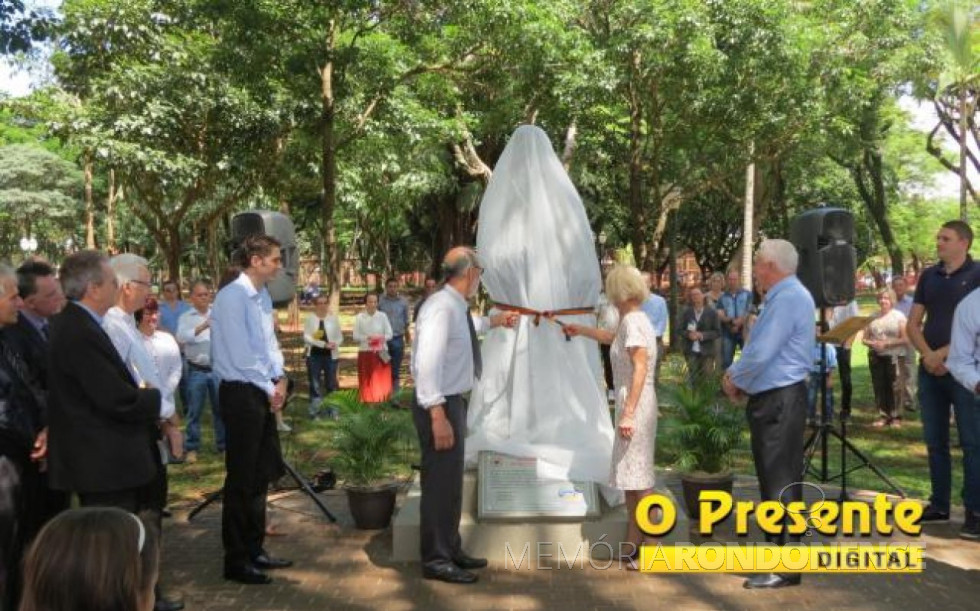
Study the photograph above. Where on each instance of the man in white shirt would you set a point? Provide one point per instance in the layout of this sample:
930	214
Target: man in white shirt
120	325
194	337
838	315
445	359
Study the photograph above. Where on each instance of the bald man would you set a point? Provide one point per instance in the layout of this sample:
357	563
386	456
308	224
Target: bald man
445	359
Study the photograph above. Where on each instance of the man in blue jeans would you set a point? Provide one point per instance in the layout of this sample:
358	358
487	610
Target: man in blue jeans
733	310
395	308
939	290
194	337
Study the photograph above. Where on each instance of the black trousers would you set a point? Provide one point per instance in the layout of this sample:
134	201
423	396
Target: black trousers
26	504
442	485
607	365
777	422
252	460
844	368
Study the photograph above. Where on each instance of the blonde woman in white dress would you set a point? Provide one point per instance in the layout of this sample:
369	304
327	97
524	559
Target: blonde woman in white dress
634	355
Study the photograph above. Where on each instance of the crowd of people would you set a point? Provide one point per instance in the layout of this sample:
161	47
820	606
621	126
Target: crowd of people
93	368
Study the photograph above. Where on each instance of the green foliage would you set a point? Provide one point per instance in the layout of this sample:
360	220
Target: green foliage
40	196
371	440
705	428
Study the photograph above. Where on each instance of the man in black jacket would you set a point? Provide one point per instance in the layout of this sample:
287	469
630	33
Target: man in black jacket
42	298
102	426
700	330
21	450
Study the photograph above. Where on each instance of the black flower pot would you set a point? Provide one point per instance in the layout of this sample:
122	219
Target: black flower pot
372	506
694	483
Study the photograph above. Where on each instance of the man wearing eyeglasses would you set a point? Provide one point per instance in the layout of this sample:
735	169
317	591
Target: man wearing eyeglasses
444	363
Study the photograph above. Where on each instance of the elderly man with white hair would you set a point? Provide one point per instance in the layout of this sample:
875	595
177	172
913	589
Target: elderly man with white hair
133	276
773	372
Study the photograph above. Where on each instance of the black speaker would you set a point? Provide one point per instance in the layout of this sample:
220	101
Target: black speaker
282	288
824	238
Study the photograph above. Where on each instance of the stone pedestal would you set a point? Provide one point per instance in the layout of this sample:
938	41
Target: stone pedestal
538	539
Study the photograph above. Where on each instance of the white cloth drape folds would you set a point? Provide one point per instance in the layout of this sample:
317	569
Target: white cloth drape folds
539	395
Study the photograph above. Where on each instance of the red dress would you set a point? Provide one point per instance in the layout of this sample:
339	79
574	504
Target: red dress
373	378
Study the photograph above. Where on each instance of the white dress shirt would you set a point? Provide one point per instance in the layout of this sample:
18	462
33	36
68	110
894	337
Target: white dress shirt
442	358
963	360
121	329
196	346
841	313
163	349
332	327
366	325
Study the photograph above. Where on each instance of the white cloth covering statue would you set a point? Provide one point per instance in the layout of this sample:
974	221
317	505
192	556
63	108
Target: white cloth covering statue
539	395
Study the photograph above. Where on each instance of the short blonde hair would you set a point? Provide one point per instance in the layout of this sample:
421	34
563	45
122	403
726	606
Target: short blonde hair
886	292
625	282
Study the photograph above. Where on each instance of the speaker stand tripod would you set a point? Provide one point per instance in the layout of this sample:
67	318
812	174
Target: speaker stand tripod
820	438
303	484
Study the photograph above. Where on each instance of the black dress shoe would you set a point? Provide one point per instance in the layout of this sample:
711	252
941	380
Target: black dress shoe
248	575
770	580
468	562
931	514
449	573
162	604
265	561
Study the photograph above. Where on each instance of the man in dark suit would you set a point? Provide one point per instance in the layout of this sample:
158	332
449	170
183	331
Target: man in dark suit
41	298
102	427
101	424
21	450
700	329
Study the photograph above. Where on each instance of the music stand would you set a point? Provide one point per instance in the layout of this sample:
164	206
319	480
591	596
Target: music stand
825	428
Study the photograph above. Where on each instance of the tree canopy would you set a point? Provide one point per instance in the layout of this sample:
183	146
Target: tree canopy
376	125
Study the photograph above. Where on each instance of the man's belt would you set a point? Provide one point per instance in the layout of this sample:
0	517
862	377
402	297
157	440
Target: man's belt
546	314
198	367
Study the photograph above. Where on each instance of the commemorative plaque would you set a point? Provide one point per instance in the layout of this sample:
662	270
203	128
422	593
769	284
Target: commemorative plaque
511	489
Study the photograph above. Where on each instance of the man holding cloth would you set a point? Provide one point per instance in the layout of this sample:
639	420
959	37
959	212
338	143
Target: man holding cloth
246	358
773	373
445	359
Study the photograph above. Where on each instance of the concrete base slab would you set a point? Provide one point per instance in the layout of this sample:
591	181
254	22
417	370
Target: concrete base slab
539	539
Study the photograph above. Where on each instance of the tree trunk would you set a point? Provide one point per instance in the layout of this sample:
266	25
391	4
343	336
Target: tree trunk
329	172
869	179
89	204
674	289
214	257
748	229
964	180
110	208
172	248
636	204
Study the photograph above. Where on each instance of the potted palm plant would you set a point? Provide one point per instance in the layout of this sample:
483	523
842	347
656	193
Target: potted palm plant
705	432
372	443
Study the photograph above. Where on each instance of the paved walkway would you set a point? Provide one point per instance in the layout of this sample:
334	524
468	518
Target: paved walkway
339	567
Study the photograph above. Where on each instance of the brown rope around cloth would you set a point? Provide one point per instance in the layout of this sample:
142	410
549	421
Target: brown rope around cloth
546	314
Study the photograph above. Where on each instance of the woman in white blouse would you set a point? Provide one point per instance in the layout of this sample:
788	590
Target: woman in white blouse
372	332
322	337
162	348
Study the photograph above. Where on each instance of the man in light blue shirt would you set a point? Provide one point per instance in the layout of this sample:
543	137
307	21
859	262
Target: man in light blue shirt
733	310
246	358
773	372
395	308
655	307
964	363
964	347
